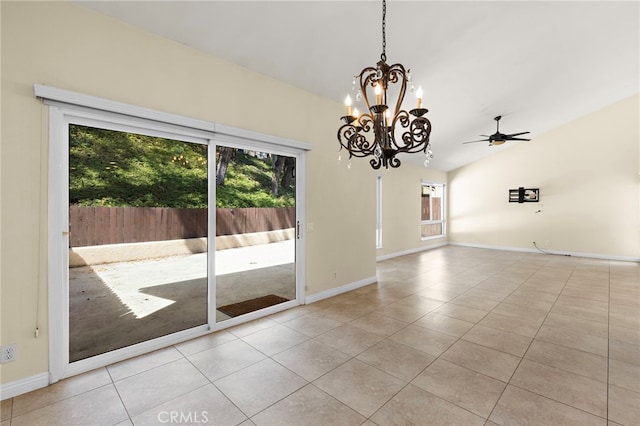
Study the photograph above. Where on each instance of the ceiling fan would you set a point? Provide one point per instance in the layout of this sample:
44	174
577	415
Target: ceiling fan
499	138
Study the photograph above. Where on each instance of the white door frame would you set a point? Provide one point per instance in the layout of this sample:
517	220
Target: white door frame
67	107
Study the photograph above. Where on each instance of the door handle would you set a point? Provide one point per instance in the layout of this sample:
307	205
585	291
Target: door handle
298	230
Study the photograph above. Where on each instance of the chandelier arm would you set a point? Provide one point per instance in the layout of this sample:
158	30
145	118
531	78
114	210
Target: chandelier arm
366	121
417	138
366	78
394	162
398	73
361	147
376	162
344	130
354	142
402	119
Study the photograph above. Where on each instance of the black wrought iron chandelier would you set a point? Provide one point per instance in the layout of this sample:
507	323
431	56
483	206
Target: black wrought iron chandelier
385	131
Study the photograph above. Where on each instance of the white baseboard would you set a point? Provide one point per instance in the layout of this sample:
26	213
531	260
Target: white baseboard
493	247
11	389
339	290
411	251
556	252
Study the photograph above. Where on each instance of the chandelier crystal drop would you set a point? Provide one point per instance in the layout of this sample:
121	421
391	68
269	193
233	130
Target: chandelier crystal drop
384	130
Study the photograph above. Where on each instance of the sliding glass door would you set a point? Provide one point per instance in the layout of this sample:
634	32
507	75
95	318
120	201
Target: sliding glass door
255	257
142	206
138	222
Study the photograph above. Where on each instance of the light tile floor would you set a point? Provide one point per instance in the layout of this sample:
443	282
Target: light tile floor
455	336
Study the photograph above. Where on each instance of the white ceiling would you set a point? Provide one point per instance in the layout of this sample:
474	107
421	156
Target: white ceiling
538	64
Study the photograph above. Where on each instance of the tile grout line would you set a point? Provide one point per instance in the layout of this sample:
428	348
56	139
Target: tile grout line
456	341
213	384
552	399
532	339
521	358
113	383
354	357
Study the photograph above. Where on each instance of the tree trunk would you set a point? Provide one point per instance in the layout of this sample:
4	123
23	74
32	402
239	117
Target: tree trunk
277	164
223	162
289	172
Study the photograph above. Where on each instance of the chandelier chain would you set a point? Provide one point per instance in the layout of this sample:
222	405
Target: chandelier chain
384	31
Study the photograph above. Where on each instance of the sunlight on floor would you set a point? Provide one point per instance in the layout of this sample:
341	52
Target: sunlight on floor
128	280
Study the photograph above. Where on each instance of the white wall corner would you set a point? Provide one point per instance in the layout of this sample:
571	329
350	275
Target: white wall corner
411	251
339	290
550	252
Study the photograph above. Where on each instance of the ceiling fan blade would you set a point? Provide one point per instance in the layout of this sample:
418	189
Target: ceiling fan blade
518	134
518	139
481	140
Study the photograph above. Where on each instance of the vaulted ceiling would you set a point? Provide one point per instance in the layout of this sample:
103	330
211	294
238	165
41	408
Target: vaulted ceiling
539	64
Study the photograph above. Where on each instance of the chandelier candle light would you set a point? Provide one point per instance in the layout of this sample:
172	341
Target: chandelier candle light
383	131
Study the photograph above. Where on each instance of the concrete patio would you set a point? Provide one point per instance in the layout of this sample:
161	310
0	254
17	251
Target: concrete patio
119	304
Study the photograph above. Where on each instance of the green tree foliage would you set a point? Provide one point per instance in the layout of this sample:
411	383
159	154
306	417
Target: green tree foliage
112	168
248	184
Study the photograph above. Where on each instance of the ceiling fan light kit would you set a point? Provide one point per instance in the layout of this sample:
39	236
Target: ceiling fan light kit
385	129
500	138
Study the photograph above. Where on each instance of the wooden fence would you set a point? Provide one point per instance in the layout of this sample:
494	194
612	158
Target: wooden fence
241	221
91	226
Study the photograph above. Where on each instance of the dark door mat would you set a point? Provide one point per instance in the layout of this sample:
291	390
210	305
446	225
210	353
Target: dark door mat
241	308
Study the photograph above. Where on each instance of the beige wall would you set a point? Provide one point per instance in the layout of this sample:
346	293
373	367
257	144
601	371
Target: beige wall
62	45
588	175
401	207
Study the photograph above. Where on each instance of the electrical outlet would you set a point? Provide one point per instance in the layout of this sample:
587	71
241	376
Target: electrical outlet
7	353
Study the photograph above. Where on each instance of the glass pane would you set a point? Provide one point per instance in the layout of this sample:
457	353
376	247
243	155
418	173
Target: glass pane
138	246
255	231
436	202
431	208
431	230
426	208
